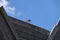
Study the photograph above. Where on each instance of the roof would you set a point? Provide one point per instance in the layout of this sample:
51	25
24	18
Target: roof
17	21
9	19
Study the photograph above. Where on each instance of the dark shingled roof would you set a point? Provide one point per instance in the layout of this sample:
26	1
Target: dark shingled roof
15	29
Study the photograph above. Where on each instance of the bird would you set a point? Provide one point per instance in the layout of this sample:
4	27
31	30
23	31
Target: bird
28	21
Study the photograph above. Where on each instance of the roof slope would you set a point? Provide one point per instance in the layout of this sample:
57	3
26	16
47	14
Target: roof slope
12	23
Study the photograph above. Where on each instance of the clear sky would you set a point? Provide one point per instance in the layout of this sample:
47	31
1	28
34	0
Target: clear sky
43	13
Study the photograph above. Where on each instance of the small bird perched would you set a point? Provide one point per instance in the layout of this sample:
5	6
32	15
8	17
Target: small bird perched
28	21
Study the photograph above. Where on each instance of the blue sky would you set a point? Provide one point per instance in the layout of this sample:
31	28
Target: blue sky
43	13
